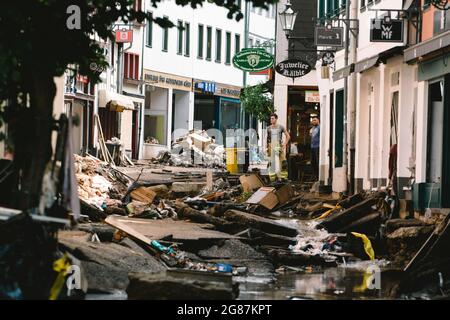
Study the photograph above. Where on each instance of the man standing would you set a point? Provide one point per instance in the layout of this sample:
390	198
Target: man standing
276	148
315	145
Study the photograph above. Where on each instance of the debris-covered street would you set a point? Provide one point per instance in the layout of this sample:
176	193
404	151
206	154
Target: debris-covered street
223	157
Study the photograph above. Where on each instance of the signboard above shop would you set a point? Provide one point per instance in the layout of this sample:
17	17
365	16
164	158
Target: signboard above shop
293	68
329	37
388	30
253	60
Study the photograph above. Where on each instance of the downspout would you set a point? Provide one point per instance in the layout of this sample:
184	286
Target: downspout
353	101
346	95
142	90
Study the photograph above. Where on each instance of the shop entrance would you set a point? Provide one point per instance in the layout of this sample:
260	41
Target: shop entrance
300	110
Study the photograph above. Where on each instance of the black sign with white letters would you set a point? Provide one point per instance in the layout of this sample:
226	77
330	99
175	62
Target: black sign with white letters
386	31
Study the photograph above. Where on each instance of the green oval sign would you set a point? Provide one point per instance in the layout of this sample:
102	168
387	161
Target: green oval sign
253	60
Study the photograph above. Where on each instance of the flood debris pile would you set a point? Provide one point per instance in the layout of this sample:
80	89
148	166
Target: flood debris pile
219	229
195	149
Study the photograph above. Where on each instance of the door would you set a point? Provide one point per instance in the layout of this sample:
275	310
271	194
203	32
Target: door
135	134
339	130
331	137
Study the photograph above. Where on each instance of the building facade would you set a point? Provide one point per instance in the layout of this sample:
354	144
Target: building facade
295	98
388	128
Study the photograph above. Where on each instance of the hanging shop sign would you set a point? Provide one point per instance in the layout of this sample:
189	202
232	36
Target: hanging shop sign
382	30
329	37
327	58
253	60
312	97
293	68
124	36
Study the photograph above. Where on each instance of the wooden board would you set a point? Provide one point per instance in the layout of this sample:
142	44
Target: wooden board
143	194
147	230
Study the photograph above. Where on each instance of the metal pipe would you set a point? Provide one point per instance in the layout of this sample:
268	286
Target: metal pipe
346	58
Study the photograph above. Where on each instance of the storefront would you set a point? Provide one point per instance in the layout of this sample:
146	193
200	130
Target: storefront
432	187
217	108
79	103
303	102
168	111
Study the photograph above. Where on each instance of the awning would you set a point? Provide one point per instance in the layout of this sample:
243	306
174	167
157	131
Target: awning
366	64
138	98
426	47
114	101
344	72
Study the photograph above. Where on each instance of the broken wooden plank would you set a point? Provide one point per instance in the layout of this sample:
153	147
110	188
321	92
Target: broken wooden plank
178	231
261	223
429	244
366	225
143	194
341	219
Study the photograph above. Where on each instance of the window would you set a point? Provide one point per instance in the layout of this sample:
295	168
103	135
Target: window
180	37
200	41
165	34
218	45
149	38
228	48
137	5
250	42
336	8
237	43
187	40
208	43
131	66
257	43
322	9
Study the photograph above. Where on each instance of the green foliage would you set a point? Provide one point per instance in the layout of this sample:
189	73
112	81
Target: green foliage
256	102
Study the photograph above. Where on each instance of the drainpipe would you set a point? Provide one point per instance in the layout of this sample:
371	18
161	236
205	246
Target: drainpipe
352	97
350	101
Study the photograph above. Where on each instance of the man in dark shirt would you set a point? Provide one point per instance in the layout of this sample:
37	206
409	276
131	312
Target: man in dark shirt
315	145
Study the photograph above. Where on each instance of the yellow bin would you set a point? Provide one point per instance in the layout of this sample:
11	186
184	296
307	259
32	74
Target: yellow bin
232	163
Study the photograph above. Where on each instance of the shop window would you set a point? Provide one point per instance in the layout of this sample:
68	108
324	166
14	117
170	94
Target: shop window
154	127
131	66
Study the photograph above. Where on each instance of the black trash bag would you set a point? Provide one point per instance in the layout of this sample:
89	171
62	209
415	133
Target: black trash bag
27	252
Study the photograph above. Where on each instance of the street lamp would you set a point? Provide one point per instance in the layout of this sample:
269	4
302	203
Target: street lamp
287	18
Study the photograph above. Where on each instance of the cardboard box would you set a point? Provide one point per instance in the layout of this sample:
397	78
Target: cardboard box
265	196
199	141
285	193
251	182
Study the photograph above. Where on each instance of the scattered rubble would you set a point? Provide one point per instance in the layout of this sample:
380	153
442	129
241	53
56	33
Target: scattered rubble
194	149
205	224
